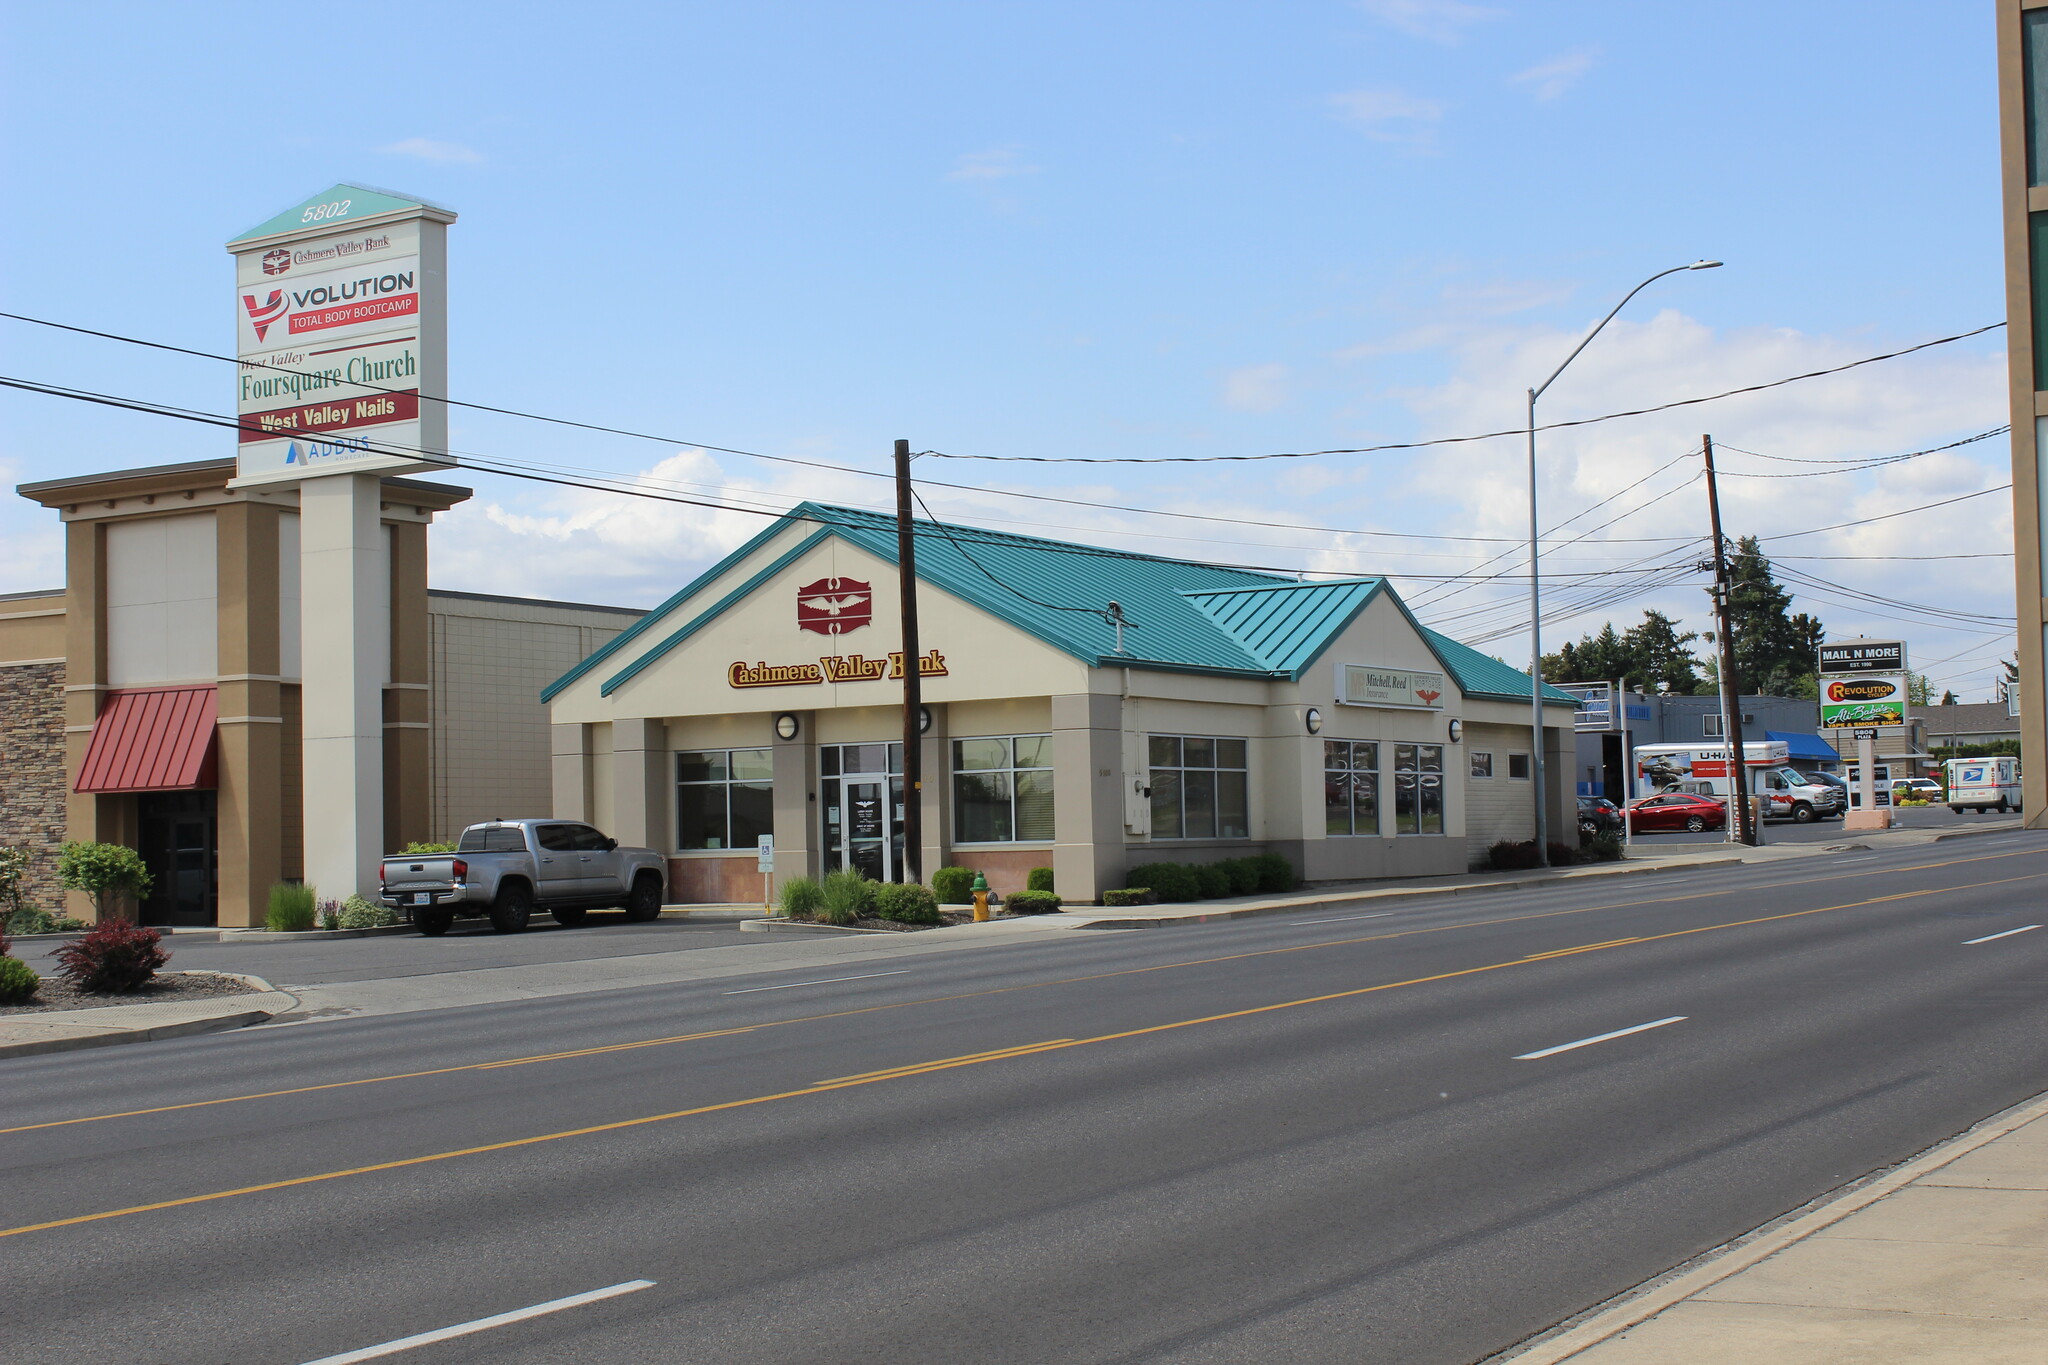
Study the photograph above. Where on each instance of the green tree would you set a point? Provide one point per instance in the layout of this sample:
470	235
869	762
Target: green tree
1776	649
1650	652
106	872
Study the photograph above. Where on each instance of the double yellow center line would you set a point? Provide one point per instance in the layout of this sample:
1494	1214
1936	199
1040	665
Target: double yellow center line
950	1063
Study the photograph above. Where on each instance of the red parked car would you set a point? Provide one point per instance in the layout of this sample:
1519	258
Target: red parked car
1676	810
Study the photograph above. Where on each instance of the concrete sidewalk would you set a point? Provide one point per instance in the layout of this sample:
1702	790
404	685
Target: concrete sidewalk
1943	1261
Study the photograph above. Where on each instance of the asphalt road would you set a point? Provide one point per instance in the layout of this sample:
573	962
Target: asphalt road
1305	1138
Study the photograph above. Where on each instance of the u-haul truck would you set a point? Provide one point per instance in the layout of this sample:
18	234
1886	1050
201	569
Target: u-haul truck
1982	784
1704	770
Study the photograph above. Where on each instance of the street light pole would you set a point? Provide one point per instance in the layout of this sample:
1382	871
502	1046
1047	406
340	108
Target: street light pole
1535	568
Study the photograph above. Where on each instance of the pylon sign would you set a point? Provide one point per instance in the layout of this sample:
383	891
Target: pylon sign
341	332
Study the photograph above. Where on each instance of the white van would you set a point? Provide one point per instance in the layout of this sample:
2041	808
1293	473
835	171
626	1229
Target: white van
1982	784
1782	793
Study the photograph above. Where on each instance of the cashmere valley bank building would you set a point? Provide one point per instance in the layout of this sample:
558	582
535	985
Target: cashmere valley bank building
1214	712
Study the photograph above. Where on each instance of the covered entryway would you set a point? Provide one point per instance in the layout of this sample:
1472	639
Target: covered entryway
861	804
178	842
158	744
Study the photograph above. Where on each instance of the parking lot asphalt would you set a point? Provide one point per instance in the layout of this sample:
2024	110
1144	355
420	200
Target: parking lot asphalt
1936	818
470	945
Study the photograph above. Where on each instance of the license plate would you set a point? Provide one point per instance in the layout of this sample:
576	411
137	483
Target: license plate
422	898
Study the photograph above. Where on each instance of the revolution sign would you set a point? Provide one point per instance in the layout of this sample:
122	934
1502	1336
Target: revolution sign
1862	699
340	324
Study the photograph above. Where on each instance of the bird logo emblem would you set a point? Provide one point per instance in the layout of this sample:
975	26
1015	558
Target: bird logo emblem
834	606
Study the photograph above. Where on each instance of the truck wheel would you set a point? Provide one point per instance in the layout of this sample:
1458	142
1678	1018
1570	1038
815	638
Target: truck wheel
2001	807
432	923
1955	810
645	902
1802	813
1694	823
569	918
512	909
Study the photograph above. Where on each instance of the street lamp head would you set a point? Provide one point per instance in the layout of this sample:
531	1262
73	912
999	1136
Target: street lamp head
1704	265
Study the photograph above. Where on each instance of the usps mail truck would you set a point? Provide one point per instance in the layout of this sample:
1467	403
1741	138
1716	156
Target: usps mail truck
1982	784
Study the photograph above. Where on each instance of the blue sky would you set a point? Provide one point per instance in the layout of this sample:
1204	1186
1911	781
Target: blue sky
1122	229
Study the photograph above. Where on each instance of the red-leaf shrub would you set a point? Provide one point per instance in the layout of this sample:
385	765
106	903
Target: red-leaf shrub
114	956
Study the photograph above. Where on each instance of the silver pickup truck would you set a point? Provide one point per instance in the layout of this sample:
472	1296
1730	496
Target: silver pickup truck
507	869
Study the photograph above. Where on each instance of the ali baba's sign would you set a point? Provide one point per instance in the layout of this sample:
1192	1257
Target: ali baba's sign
833	669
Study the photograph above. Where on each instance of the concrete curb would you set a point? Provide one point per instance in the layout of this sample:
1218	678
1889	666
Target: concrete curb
1340	902
145	1033
1739	1255
308	935
797	927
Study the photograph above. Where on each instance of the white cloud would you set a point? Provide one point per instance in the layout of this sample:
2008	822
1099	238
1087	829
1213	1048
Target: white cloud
994	163
1548	80
1256	388
1440	21
1391	116
1887	408
427	149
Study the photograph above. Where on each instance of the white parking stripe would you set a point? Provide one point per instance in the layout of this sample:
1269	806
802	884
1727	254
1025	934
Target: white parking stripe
2007	934
463	1329
826	982
1599	1038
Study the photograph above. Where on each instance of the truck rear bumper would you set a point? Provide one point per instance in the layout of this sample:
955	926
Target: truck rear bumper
456	899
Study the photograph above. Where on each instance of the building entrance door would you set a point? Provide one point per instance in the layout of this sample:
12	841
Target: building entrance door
863	809
178	830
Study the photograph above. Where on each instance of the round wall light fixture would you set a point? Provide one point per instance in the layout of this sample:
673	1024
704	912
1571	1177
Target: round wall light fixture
1457	730
1313	719
924	720
786	725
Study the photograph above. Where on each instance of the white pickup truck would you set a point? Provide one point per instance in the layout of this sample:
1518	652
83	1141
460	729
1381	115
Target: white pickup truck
507	869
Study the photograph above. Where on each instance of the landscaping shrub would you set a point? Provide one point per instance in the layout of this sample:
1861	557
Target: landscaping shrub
1602	848
18	981
293	906
1213	880
1032	903
1131	895
1038	879
327	915
1275	872
906	903
357	913
115	956
1173	881
417	846
1509	855
40	922
954	885
801	897
5	942
847	896
1243	874
106	872
13	867
1561	855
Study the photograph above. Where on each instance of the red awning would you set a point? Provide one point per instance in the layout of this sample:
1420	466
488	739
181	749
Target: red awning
154	739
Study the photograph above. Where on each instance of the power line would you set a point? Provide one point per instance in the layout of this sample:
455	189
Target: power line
1457	440
1887	516
1863	460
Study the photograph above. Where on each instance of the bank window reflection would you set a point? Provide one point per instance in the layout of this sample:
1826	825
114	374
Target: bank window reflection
1002	789
1199	787
1418	789
1351	787
725	798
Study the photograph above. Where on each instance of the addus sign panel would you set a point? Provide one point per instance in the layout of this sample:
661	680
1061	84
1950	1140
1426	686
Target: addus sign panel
340	322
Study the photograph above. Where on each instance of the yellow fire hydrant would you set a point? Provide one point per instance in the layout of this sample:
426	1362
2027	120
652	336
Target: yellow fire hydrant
980	899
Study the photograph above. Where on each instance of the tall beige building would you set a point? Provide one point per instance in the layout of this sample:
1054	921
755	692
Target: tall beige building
154	700
2023	165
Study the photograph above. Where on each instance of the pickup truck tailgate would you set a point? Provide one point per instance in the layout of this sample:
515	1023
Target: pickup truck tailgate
427	872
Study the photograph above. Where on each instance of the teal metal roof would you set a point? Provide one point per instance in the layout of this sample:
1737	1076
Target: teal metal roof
337	207
1181	616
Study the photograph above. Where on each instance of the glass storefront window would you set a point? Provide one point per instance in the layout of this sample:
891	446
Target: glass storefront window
2034	84
1200	787
1002	789
725	798
1418	789
1351	787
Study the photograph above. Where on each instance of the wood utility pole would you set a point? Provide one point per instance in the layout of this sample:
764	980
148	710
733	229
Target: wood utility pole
913	677
1742	826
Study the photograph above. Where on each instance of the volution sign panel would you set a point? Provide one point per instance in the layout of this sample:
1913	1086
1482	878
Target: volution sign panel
338	332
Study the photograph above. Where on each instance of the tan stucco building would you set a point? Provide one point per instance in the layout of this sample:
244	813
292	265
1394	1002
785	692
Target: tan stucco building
154	699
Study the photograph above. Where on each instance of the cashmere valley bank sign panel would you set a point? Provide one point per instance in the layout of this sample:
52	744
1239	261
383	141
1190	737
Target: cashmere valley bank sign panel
337	332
